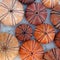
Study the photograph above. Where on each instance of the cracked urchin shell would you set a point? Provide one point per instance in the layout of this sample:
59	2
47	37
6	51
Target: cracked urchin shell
23	32
8	46
36	13
31	50
53	54
50	3
44	33
11	12
27	1
57	39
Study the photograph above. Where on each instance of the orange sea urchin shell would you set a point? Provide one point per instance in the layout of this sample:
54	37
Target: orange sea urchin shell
31	50
50	3
44	33
55	16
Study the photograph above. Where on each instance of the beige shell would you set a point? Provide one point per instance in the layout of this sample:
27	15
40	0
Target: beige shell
11	12
8	46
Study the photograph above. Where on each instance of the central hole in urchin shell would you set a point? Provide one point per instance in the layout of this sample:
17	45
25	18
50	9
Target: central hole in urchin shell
4	48
11	10
36	12
31	53
24	32
45	32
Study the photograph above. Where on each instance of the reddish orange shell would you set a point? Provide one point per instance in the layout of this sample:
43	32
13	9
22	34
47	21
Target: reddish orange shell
44	33
50	3
23	32
31	50
36	13
55	16
55	19
53	54
57	40
11	12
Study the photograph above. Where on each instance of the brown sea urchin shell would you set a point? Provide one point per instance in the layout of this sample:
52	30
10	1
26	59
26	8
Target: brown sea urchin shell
8	46
50	3
44	33
31	50
23	32
57	40
53	54
27	1
36	13
11	12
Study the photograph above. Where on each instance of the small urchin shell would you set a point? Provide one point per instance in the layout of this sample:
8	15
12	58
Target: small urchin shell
23	32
